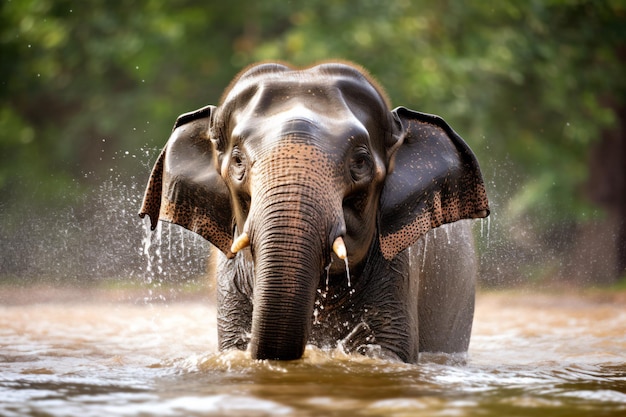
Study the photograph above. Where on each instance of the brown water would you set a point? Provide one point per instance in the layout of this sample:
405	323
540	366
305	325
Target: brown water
530	355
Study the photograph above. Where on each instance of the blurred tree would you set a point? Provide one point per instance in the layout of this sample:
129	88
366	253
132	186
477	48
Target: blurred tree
81	82
532	85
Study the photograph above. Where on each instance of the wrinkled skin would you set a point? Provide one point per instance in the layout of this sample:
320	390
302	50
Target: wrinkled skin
290	161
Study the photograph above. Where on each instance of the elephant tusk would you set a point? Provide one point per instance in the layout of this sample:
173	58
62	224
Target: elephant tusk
243	241
340	248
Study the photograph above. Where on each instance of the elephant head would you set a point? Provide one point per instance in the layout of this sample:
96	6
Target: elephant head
298	164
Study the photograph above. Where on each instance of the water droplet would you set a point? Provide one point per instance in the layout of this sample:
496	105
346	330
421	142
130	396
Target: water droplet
327	279
424	251
347	272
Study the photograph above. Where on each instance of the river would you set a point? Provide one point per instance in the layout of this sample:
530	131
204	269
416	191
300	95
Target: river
86	354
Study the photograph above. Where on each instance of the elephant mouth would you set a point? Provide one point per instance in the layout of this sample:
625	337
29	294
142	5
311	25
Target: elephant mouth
338	246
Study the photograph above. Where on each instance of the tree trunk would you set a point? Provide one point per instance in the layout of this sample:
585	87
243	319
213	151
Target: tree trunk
607	189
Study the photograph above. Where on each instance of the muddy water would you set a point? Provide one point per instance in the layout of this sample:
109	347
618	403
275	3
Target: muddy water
530	355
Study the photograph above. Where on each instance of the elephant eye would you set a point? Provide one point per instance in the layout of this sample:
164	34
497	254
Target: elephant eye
238	164
361	165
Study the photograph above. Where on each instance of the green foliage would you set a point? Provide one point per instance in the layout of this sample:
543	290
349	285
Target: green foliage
530	84
620	285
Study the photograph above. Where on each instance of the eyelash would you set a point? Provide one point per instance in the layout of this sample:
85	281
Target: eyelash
361	164
238	166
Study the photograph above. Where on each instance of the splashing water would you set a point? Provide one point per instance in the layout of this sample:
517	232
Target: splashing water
424	251
327	279
98	239
347	272
482	228
148	248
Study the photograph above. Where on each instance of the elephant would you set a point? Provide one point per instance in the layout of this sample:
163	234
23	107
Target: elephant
323	203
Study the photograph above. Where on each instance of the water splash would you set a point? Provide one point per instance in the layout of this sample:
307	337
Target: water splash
316	312
425	240
147	244
327	279
347	271
97	237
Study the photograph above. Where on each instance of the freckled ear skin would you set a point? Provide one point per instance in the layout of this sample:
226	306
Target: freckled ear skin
185	187
435	180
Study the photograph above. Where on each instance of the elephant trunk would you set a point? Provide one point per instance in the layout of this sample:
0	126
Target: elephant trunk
290	251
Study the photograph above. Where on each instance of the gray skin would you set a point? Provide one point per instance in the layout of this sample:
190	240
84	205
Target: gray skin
294	159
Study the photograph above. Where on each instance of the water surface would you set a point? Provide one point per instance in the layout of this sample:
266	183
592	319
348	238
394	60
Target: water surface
89	355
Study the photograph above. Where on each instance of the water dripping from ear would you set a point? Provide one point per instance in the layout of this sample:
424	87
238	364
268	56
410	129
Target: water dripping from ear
182	241
488	227
424	248
169	241
152	251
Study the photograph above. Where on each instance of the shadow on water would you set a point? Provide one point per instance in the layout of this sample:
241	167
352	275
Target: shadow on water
100	317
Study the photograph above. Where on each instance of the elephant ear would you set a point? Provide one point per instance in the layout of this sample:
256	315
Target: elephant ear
185	186
435	179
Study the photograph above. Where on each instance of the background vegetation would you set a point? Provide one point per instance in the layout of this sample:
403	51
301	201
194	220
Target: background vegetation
89	91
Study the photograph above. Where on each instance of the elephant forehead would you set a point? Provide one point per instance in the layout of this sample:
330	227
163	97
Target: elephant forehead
320	79
293	156
282	96
322	94
296	120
